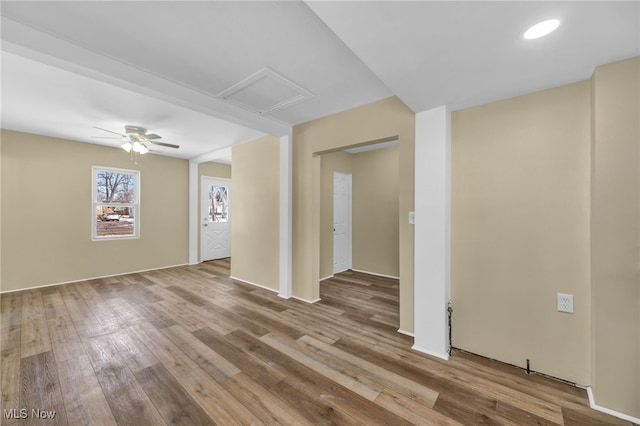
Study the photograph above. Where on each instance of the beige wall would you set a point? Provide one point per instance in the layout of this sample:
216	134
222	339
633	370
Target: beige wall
520	230
615	230
333	162
255	223
47	212
213	169
376	240
375	218
209	169
383	120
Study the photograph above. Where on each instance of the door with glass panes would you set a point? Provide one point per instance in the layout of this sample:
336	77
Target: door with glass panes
215	233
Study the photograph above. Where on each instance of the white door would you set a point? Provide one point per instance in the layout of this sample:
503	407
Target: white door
215	233
341	222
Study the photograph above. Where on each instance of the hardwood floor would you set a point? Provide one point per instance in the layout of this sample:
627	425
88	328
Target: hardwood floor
190	346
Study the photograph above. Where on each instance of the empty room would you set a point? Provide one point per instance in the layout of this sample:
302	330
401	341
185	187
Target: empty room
311	212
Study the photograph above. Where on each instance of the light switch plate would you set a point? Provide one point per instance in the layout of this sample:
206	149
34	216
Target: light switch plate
412	218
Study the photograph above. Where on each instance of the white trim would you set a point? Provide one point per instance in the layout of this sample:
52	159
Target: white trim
444	356
286	216
375	273
253	284
193	213
406	333
593	405
327	277
305	300
94	278
432	229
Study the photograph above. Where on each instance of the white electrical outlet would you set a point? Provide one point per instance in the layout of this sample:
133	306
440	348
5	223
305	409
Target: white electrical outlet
565	303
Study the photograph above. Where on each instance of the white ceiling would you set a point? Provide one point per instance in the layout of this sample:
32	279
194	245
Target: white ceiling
69	66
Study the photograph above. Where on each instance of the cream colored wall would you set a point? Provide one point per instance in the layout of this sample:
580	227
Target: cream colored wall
209	169
255	223
375	218
615	228
376	239
47	212
333	162
383	120
520	230
213	169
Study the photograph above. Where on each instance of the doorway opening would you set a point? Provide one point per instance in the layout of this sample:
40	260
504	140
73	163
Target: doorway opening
360	230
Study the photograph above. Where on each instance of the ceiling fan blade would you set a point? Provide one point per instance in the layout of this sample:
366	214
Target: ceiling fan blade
105	137
110	131
168	145
152	136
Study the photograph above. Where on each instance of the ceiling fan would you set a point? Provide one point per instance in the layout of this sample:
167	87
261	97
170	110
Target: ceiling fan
136	139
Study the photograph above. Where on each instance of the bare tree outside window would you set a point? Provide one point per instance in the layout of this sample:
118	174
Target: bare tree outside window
116	199
218	204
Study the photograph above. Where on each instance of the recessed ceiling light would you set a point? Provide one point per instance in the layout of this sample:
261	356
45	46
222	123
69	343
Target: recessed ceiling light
541	29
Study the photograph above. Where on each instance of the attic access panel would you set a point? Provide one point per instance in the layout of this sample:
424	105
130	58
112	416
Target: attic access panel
265	92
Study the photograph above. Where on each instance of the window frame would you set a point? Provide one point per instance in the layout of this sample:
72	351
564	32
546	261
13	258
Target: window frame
135	205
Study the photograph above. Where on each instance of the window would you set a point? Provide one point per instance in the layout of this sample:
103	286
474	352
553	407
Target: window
218	204
116	203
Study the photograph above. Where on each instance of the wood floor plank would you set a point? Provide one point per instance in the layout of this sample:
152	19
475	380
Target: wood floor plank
355	384
40	390
207	359
416	392
10	321
268	408
132	350
84	401
154	316
64	340
34	334
10	381
54	305
190	345
214	399
125	310
306	381
172	401
170	355
130	405
411	410
262	373
316	410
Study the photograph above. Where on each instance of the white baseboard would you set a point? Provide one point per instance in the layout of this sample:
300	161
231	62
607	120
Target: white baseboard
375	273
254	284
593	405
327	277
305	300
92	278
406	333
444	356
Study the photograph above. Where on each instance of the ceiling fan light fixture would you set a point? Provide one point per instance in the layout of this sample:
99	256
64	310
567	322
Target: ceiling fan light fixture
143	149
542	29
126	146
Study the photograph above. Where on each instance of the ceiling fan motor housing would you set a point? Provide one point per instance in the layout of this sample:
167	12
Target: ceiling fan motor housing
135	130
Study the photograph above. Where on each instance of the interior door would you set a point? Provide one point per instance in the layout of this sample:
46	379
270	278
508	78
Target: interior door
215	233
341	222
